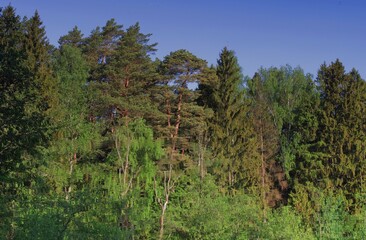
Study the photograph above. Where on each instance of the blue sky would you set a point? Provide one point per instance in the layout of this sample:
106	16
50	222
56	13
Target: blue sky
266	33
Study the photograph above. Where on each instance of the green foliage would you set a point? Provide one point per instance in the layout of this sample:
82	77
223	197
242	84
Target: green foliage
288	91
286	101
129	74
267	143
14	119
183	119
72	73
285	223
42	84
200	211
97	141
359	221
25	102
74	38
231	137
82	217
332	222
342	130
134	183
306	199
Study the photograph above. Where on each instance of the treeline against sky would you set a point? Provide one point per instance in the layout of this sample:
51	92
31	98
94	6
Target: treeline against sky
98	140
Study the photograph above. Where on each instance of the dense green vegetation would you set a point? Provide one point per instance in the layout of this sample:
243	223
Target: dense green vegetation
100	141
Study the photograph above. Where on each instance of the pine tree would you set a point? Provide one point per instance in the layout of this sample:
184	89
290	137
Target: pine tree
182	118
123	93
180	69
73	38
99	47
131	73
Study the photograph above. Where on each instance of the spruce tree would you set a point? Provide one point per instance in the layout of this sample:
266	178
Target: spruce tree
38	62
231	134
341	130
27	90
25	100
13	73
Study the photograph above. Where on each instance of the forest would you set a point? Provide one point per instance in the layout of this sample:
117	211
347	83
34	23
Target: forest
99	139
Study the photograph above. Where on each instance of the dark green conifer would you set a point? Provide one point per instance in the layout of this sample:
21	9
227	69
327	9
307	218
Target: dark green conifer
231	134
42	83
73	38
342	130
16	135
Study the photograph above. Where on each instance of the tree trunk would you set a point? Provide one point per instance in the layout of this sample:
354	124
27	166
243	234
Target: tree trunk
179	108
163	205
162	217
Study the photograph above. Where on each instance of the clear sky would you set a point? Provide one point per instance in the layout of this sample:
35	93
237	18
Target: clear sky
266	33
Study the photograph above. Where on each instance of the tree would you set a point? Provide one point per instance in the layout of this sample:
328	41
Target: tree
183	118
130	74
206	87
73	38
38	62
231	132
99	47
26	99
292	102
27	87
132	186
183	115
341	130
285	105
122	95
14	121
122	179
76	137
267	142
13	76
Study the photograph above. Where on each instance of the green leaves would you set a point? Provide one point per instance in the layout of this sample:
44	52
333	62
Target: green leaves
97	141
